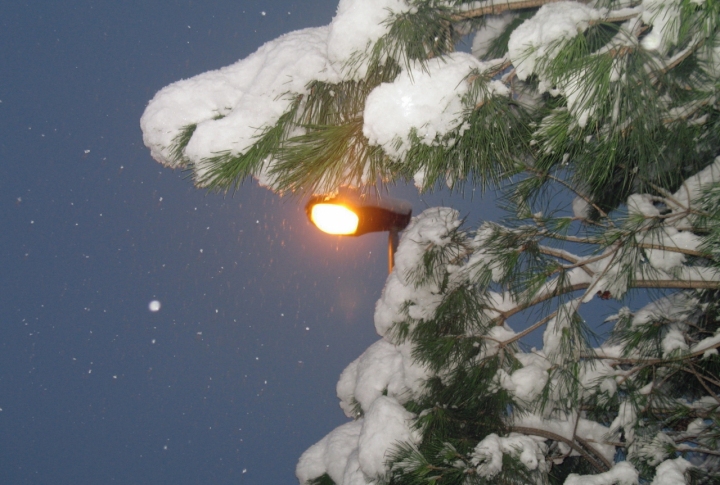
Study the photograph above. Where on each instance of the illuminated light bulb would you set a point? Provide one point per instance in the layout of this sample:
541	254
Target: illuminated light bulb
334	219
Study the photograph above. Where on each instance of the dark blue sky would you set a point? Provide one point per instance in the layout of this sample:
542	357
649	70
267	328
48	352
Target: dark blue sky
235	376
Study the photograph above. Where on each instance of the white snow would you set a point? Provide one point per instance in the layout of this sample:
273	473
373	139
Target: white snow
662	15
401	293
556	328
357	25
673	340
493	27
540	35
487	455
671	472
693	186
697	426
598	376
569	426
387	424
653	450
353	473
671	238
622	473
249	95
330	454
528	382
481	259
426	100
672	308
154	306
357	452
642	204
708	345
580	207
625	420
494	338
383	368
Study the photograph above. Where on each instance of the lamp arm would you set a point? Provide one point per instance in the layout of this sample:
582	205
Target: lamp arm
393	240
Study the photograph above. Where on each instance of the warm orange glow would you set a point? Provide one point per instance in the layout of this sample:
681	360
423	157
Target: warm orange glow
334	219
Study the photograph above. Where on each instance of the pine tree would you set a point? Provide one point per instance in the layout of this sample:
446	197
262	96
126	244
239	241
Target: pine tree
599	123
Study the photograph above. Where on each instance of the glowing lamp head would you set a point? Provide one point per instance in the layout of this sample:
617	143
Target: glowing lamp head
334	219
350	213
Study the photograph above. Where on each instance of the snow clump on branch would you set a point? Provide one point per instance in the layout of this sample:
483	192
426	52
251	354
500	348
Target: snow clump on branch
230	106
402	297
356	452
542	35
357	25
426	101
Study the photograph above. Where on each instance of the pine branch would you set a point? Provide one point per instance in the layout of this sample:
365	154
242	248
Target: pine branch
572	239
638	283
322	480
708	379
649	362
599	462
576	261
678	58
702	381
490	7
615	17
227	170
529	329
179	143
696	449
677	284
570	187
675	249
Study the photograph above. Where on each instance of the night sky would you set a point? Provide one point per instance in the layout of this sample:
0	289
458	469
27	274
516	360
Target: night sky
235	376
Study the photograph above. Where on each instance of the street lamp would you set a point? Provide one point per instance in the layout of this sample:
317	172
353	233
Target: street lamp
348	213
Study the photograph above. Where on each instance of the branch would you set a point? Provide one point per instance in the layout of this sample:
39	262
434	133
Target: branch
697	449
575	191
685	112
593	456
674	249
674	284
682	55
559	253
569	289
620	18
553	235
531	328
677	284
629	360
667	194
491	72
491	8
700	378
709	379
578	263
